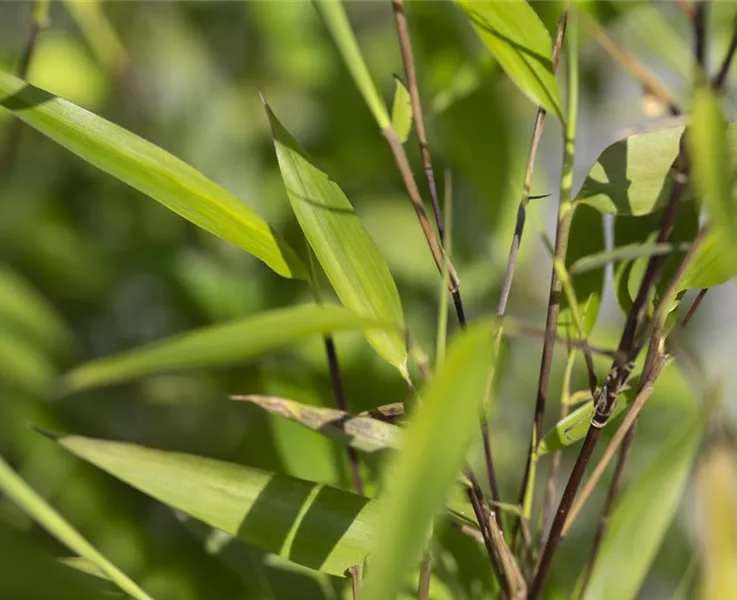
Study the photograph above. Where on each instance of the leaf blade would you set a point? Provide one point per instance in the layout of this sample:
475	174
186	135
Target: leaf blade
401	111
150	170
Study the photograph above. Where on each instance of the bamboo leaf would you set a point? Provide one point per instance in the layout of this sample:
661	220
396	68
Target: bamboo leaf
30	502
632	176
362	433
586	238
401	111
217	345
521	44
629	252
716	523
345	250
333	12
639	522
308	523
150	170
420	477
713	263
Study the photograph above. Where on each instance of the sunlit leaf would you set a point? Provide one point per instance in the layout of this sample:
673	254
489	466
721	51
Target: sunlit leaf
308	523
218	345
345	250
716	523
639	522
586	238
633	175
36	507
401	111
362	433
521	44
713	263
420	478
150	170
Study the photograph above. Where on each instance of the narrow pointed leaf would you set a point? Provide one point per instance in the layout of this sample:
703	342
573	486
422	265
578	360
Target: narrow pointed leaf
218	345
401	111
632	176
362	433
420	478
716	523
150	170
521	44
642	515
308	523
622	253
344	248
36	507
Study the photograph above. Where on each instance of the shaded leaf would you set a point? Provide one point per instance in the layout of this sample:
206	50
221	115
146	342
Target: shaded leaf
308	523
345	250
521	44
150	170
621	253
632	176
420	478
362	433
217	345
586	238
35	506
401	111
639	522
716	523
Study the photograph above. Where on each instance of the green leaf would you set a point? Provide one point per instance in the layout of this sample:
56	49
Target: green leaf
340	29
22	564
420	478
716	523
308	523
632	176
622	253
713	263
521	44
401	111
35	506
150	170
345	250
586	238
640	522
362	433
218	345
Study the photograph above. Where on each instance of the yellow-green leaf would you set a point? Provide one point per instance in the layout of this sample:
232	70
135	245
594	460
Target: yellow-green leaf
401	111
150	170
521	44
420	478
345	250
218	345
308	523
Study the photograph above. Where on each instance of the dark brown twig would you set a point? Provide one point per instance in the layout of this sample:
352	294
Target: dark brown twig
648	81
410	72
700	20
339	395
720	79
694	307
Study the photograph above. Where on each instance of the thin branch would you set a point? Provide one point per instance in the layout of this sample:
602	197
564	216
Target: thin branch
700	21
355	580
630	62
537	131
405	44
720	79
339	395
694	307
423	587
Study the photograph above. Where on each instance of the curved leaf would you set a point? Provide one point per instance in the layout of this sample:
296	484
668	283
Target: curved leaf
640	522
521	44
420	477
218	345
713	263
150	170
401	111
362	433
632	176
344	248
308	523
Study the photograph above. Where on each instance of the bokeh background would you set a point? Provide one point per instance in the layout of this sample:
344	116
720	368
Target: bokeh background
89	267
